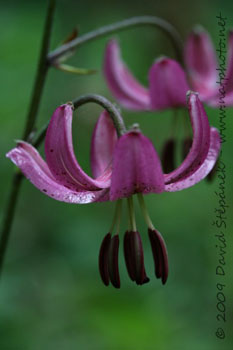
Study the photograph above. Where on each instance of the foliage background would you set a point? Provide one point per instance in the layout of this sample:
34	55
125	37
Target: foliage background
51	296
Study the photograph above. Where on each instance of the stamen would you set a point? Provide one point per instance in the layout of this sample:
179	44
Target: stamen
103	259
118	221
108	255
117	216
159	254
128	255
132	220
134	257
145	212
113	268
138	259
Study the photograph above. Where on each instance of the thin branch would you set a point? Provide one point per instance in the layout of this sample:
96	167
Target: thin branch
118	26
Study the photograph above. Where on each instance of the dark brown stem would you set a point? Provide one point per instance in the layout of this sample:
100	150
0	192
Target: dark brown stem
41	74
30	123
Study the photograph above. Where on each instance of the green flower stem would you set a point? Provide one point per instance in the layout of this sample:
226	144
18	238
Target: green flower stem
132	220
106	104
9	215
118	26
117	217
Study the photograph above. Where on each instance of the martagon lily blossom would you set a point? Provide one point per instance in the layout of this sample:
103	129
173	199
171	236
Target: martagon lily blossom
121	167
168	81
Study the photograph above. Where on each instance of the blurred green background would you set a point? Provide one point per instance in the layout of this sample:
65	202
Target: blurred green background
51	296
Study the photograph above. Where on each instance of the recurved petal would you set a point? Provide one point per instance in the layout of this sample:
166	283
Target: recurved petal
136	167
137	257
201	62
60	155
26	157
168	84
102	145
201	141
205	167
125	88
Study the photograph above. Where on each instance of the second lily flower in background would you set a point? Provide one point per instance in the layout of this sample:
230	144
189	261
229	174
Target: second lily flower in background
168	82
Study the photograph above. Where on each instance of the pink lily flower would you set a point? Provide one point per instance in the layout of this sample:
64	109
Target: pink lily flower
121	168
204	72
168	83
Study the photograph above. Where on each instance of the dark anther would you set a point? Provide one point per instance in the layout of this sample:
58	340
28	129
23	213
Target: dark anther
159	254
103	259
134	257
113	262
187	144
168	156
128	255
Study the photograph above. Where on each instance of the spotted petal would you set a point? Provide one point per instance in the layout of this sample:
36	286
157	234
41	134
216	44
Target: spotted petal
60	155
136	167
200	58
103	142
125	88
168	85
201	141
204	169
26	157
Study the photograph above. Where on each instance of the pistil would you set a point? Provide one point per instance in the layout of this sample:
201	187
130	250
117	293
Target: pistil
108	255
